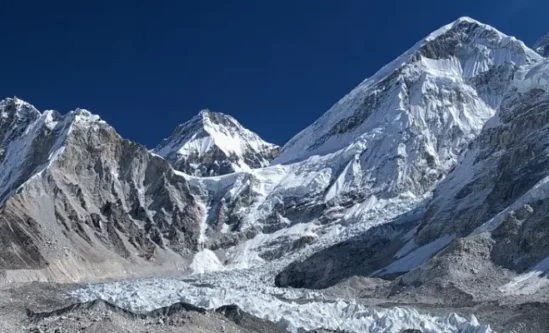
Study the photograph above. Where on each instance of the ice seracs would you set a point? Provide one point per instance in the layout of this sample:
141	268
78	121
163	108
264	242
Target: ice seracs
287	308
212	144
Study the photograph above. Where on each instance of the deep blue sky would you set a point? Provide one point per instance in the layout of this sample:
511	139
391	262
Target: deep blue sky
146	66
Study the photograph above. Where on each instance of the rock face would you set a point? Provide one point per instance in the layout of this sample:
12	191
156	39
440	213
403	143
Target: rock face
213	144
75	193
358	256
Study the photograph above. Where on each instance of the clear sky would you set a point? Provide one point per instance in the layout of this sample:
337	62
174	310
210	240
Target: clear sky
146	66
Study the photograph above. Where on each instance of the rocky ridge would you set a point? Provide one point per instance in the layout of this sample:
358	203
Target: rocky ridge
81	201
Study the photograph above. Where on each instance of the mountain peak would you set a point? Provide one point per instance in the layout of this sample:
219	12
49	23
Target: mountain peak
450	58
12	105
207	118
466	19
468	31
204	113
213	136
83	115
13	100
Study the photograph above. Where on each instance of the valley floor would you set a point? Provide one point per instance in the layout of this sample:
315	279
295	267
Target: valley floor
167	305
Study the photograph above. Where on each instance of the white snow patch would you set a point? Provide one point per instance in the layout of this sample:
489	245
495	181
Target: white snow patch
536	77
206	261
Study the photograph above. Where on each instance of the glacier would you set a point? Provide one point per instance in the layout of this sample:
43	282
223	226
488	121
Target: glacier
294	310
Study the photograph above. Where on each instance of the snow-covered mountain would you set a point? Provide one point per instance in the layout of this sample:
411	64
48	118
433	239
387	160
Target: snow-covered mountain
382	149
483	232
213	144
378	153
79	201
433	169
450	57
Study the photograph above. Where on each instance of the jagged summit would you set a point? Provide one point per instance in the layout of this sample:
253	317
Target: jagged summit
15	107
456	53
14	100
205	113
209	119
212	144
542	46
68	179
31	140
442	43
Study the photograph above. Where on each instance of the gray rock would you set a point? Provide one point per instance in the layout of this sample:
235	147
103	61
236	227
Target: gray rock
84	192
